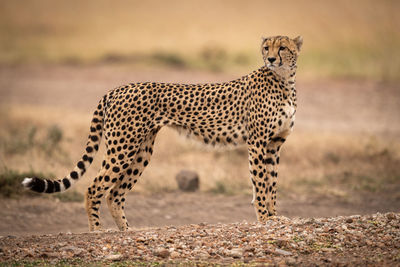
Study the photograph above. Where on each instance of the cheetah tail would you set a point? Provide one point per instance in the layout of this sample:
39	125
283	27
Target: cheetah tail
92	146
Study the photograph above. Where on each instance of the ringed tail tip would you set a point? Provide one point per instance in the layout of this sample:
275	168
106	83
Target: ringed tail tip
27	182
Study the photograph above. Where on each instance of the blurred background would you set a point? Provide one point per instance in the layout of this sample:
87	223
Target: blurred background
57	58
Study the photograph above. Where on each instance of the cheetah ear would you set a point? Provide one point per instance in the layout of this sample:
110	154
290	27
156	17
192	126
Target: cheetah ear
299	42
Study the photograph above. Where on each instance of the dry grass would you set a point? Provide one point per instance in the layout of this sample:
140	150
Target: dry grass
322	164
342	38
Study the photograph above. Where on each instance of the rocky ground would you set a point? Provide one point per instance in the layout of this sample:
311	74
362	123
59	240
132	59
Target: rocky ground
350	240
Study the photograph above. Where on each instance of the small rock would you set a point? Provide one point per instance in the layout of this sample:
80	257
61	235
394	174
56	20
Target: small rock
281	242
187	180
327	249
390	216
290	261
113	257
162	253
204	255
234	253
283	252
175	255
349	220
49	255
76	251
140	239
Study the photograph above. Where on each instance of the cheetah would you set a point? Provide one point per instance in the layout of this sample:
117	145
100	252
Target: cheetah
257	109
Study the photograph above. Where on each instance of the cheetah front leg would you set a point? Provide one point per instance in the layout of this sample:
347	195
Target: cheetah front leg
260	181
263	165
272	162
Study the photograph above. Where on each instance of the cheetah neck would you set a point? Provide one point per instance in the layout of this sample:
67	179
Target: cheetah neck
286	78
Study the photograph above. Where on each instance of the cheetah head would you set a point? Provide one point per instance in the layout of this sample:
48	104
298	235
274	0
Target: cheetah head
280	53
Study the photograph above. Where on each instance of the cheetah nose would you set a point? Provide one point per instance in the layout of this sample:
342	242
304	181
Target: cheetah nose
271	59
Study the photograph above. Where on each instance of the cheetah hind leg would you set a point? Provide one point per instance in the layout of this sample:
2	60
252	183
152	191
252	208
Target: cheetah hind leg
110	174
117	194
93	198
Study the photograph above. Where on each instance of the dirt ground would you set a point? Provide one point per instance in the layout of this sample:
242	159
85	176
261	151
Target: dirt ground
44	216
341	107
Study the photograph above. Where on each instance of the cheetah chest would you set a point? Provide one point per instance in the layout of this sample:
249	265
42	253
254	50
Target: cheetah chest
287	117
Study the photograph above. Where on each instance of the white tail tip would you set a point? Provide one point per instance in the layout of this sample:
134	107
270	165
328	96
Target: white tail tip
26	182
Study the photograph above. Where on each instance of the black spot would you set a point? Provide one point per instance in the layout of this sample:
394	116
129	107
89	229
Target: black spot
74	175
115	169
66	183
94	138
269	161
81	165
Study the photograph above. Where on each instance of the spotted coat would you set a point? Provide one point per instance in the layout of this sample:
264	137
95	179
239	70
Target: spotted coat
257	109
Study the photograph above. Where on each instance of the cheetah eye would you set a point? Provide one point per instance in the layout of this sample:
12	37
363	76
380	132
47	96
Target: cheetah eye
266	48
282	48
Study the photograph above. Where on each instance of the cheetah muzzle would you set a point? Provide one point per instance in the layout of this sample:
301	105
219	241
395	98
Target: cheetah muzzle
257	109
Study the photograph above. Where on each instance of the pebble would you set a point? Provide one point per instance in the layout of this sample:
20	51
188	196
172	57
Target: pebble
162	253
283	252
113	257
349	220
234	253
175	255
